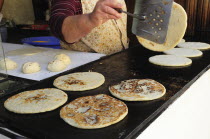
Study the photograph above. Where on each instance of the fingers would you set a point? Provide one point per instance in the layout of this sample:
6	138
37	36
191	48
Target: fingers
111	11
104	10
112	3
107	6
111	17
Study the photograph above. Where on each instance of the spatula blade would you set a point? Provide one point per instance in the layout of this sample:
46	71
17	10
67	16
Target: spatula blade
155	25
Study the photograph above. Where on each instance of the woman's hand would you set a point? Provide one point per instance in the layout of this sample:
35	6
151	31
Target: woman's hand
104	10
78	26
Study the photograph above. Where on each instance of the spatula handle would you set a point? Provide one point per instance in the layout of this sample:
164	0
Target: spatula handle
119	10
130	14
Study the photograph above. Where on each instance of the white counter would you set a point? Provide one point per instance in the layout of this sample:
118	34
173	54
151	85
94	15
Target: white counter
187	118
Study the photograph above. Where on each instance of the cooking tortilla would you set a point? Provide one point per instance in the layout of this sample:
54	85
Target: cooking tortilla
185	52
79	81
93	112
36	101
195	45
176	30
170	60
138	90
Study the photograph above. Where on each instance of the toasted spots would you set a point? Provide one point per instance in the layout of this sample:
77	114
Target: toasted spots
94	111
36	98
138	90
72	81
91	119
83	109
36	101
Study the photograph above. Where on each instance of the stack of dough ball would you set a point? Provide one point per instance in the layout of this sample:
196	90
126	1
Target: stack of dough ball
31	67
60	62
56	65
64	58
10	64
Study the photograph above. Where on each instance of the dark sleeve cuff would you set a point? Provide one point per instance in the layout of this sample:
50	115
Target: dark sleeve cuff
55	24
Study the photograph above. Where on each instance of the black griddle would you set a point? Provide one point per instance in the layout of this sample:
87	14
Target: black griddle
129	64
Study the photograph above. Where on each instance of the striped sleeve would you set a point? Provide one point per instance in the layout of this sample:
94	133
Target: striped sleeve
60	9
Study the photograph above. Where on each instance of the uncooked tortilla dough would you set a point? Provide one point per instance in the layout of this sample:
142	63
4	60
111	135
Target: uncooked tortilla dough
36	101
91	112
170	60
65	58
31	67
79	81
56	65
195	45
185	52
176	30
8	64
138	90
25	51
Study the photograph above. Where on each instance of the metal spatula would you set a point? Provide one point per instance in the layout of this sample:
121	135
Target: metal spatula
151	19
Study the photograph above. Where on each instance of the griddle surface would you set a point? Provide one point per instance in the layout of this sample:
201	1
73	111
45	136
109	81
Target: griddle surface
129	64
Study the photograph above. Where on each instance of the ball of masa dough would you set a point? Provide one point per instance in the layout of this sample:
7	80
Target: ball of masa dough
8	64
56	65
31	67
65	58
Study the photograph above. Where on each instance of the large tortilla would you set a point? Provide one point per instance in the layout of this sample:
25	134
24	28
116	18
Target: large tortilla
93	112
176	30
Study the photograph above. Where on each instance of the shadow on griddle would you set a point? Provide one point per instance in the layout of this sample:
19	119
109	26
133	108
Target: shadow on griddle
168	67
18	116
196	58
